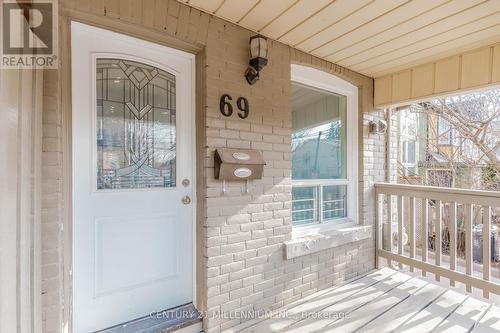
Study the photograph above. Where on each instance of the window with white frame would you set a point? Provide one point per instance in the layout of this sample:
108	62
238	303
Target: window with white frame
324	148
409	125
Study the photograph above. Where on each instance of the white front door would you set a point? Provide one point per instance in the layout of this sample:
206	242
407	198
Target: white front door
133	142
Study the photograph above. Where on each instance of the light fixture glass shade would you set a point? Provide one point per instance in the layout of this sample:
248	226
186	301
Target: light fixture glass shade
258	47
258	58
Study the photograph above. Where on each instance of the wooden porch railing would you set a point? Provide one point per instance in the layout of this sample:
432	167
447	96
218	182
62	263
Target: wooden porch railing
475	207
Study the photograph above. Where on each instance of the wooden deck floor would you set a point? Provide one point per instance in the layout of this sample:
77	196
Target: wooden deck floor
383	301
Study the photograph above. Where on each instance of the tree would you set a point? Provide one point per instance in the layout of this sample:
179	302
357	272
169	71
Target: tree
460	139
476	117
333	131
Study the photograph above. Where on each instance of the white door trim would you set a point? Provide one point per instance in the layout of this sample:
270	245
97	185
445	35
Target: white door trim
192	122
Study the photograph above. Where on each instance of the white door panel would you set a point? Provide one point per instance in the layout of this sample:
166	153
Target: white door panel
133	139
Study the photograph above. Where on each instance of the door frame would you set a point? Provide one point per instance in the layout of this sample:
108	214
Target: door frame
64	79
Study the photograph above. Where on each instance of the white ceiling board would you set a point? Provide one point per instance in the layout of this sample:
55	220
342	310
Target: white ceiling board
264	12
235	10
331	14
473	43
350	23
296	14
478	39
448	9
429	44
466	17
369	36
391	19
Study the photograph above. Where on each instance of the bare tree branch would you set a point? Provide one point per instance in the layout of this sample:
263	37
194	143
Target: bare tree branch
474	129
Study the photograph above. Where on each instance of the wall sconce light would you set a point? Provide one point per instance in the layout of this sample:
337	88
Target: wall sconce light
258	58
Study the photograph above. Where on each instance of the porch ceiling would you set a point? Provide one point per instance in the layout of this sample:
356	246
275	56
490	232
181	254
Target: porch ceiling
373	37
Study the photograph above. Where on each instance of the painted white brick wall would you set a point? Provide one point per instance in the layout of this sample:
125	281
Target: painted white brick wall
245	249
52	204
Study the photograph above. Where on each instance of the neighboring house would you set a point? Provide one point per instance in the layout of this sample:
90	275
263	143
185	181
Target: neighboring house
431	152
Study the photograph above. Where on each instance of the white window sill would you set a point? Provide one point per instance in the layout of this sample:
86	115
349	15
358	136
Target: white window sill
314	238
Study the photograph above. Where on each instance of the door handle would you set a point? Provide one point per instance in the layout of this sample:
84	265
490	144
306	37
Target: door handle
186	200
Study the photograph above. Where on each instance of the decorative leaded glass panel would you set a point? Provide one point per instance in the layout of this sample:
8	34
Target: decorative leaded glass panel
136	141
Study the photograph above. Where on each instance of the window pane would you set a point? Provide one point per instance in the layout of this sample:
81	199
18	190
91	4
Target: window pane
319	137
411	151
334	202
304	205
136	145
409	122
444	132
405	151
410	171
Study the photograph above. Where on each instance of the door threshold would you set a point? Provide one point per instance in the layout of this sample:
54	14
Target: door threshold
181	319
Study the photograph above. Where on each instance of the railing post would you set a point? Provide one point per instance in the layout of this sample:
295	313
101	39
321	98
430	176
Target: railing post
388	234
400	226
425	231
468	243
453	239
437	241
411	232
486	248
379	218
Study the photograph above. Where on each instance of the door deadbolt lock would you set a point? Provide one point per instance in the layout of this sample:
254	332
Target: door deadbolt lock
186	200
185	182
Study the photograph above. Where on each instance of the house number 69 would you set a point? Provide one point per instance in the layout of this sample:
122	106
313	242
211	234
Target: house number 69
226	108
